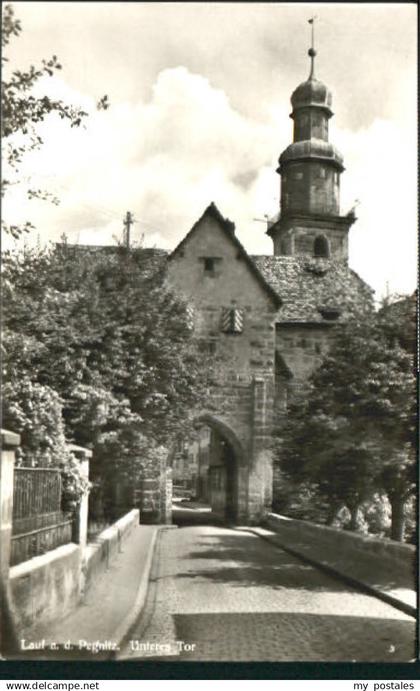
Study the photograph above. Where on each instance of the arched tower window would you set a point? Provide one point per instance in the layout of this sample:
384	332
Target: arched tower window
284	247
321	247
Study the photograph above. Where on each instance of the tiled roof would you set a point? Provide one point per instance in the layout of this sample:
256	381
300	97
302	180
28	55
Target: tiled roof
149	259
314	290
310	290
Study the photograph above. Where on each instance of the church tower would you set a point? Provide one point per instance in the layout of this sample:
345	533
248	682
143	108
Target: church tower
309	222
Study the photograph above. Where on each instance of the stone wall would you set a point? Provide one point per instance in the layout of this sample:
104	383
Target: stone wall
8	632
310	186
46	587
105	548
166	497
303	347
300	240
357	556
295	236
49	585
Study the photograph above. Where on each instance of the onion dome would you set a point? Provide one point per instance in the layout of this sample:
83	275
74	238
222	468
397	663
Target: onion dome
312	149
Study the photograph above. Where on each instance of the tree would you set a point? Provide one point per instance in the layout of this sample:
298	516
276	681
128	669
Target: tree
354	433
22	112
397	318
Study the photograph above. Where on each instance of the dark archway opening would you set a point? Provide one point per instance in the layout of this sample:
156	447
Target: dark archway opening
213	494
223	479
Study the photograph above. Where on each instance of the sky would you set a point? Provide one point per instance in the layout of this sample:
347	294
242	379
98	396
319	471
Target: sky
200	103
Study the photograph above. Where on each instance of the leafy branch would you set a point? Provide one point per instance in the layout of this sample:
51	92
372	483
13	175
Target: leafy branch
22	112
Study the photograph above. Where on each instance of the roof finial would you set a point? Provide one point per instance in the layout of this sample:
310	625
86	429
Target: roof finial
312	51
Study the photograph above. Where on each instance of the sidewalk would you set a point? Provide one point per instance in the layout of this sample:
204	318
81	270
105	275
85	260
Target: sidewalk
109	609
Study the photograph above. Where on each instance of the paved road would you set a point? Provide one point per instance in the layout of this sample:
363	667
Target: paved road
230	596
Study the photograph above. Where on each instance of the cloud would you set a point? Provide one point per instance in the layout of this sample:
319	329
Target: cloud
381	173
167	157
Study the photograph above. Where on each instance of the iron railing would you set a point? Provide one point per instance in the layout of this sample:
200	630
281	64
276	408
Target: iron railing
36	491
39	525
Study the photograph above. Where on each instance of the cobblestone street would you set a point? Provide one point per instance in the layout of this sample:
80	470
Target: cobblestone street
228	595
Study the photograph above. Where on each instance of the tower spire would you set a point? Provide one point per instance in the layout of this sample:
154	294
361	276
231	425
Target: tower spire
312	51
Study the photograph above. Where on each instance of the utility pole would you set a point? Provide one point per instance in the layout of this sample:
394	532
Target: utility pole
128	220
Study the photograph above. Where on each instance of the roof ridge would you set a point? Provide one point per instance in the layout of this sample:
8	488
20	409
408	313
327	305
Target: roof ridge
229	227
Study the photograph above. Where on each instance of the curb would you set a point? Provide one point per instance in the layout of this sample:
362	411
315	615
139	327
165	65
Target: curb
331	571
131	617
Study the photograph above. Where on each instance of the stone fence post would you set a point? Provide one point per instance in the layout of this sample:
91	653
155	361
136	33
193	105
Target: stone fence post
81	519
8	636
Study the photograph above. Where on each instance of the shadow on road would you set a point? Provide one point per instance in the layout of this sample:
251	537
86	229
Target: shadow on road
241	559
244	560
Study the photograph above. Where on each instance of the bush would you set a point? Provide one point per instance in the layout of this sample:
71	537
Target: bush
35	412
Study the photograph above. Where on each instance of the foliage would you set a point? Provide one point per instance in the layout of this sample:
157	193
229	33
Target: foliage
35	412
299	499
22	111
354	434
377	514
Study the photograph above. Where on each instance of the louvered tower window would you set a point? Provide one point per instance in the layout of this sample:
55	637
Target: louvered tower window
232	320
321	247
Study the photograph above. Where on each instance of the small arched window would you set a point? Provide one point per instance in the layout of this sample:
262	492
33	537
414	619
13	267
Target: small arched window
321	247
283	247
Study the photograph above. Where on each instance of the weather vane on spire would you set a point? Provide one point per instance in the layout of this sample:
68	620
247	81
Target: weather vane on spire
312	51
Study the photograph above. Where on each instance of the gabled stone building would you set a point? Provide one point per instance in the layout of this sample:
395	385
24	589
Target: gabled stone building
270	319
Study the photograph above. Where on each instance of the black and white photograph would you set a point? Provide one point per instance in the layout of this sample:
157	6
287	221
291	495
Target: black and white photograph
209	302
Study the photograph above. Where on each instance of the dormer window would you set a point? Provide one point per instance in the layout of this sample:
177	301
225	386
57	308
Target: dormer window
210	265
330	312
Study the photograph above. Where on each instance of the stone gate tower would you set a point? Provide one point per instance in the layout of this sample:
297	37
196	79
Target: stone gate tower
309	222
271	318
